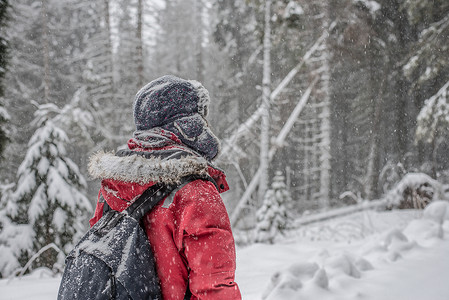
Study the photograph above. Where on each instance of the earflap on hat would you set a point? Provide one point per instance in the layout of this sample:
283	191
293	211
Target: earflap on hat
203	97
190	127
194	132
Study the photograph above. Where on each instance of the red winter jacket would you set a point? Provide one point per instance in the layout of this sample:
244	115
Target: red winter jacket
189	231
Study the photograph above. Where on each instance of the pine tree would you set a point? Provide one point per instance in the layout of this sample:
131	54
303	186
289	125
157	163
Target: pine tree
427	66
434	116
432	123
24	77
238	38
428	71
53	73
274	217
49	196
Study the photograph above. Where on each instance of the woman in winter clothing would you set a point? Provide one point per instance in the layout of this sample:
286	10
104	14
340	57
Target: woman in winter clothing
189	230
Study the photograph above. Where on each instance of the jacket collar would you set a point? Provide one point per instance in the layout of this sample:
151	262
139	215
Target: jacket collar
167	166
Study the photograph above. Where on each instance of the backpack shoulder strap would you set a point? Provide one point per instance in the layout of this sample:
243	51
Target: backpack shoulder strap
148	200
106	206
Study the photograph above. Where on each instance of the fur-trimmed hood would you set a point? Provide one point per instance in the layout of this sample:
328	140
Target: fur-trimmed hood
143	169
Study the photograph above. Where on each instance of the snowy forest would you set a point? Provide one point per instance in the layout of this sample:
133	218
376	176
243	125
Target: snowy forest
319	105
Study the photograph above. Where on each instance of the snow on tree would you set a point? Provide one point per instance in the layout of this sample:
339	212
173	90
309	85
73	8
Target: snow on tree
75	116
434	116
23	79
274	217
415	190
427	70
429	63
48	200
34	70
433	121
15	239
390	175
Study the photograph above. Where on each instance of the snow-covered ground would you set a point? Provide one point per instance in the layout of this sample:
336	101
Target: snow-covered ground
400	255
367	255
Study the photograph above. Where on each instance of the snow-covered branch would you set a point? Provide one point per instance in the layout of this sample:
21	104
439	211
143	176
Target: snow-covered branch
278	143
296	69
229	143
292	118
434	113
35	256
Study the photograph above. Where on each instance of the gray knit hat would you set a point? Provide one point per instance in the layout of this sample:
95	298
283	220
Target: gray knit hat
180	106
169	98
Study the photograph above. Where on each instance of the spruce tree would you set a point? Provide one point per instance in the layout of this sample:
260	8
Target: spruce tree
49	196
427	68
274	218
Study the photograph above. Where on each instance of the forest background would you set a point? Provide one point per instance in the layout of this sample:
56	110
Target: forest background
343	98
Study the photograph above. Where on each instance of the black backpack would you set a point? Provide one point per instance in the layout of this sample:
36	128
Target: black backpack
114	259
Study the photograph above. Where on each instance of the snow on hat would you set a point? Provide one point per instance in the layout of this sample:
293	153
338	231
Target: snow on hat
180	106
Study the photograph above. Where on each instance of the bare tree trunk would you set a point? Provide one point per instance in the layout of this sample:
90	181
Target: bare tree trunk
371	176
45	53
115	130
266	91
325	126
199	40
107	19
434	156
139	45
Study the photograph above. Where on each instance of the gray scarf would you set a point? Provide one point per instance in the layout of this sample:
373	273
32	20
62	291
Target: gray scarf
191	131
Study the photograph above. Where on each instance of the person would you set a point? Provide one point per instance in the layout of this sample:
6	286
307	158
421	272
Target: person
189	231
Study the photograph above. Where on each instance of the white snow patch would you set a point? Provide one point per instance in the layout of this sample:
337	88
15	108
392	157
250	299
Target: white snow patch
293	9
373	6
59	219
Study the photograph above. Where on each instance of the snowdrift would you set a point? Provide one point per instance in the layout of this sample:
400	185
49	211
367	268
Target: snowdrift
340	260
